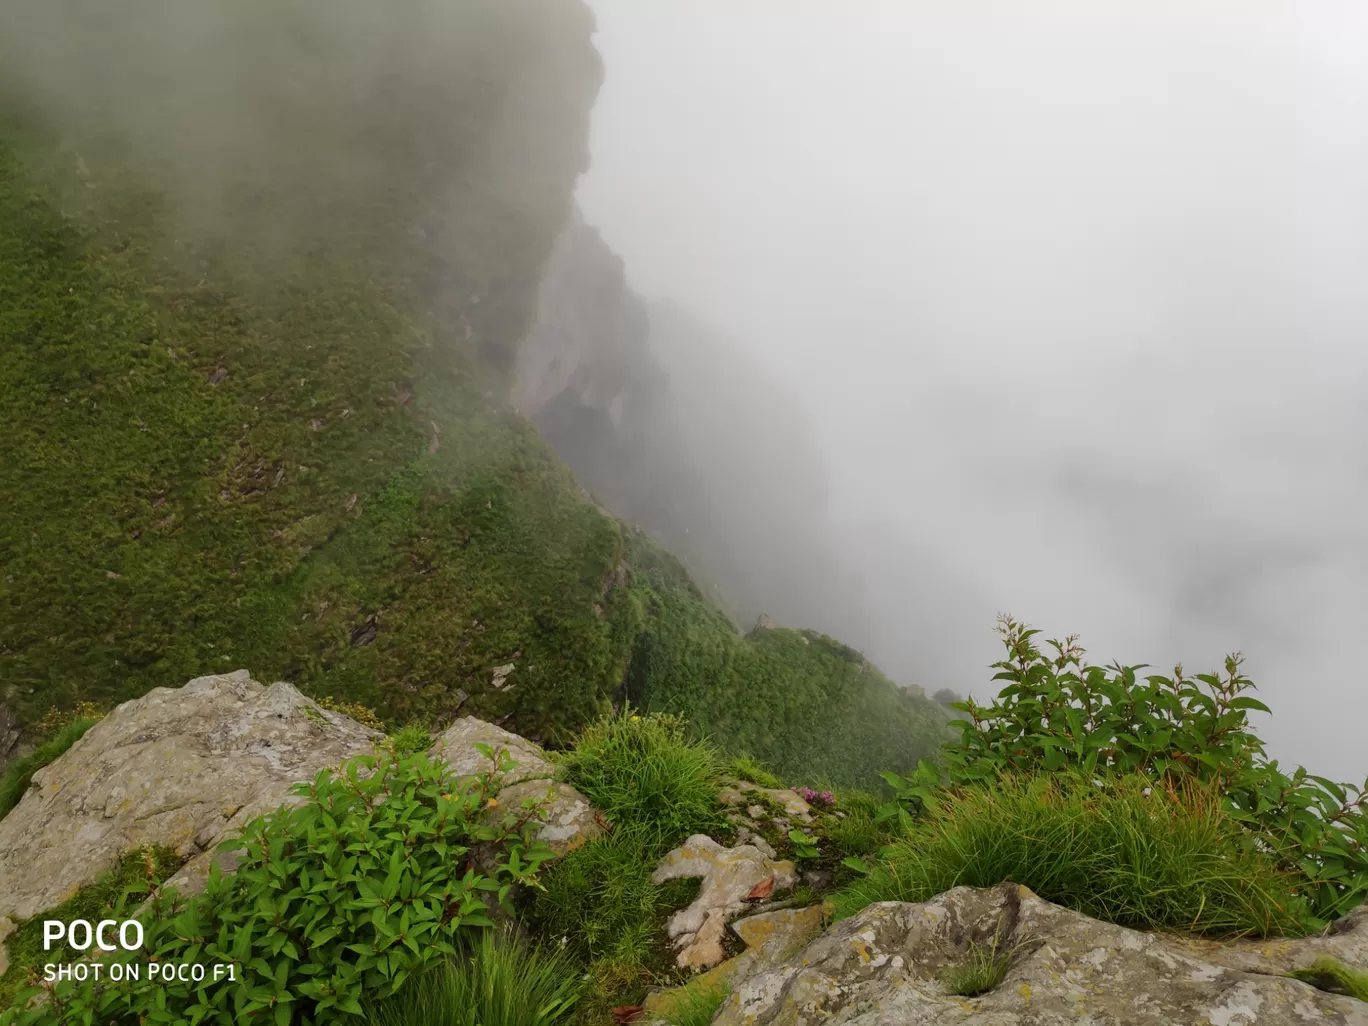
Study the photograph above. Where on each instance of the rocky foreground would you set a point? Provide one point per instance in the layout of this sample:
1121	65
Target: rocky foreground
185	767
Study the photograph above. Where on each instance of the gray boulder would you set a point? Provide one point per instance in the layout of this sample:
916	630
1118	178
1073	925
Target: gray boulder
884	967
180	767
568	818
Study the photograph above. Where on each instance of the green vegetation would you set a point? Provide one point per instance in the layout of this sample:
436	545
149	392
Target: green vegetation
743	767
210	463
115	895
411	739
984	969
499	982
644	771
1120	854
802	703
1331	975
656	786
369	882
19	772
695	1004
1146	803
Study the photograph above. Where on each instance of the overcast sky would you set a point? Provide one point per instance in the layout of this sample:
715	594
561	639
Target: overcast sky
1076	293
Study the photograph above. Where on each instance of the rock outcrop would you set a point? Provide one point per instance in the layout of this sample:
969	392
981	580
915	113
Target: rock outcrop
180	767
886	967
731	876
186	767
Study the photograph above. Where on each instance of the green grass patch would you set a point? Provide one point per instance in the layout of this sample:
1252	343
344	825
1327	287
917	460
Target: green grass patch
410	739
19	773
498	982
114	895
982	971
645	773
694	1004
801	703
1158	861
1334	976
743	767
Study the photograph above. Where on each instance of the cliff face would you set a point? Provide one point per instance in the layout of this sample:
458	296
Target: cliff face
675	429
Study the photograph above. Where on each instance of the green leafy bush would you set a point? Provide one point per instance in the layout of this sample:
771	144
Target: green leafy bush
19	773
1127	853
1055	713
647	773
498	982
373	878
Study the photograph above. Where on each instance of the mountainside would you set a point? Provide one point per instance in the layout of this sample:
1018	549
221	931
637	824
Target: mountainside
668	421
257	327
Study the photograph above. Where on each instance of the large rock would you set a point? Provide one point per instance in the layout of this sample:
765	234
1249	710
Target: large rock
568	818
729	875
179	767
882	967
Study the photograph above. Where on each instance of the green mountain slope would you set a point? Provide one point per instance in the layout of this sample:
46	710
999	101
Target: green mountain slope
258	420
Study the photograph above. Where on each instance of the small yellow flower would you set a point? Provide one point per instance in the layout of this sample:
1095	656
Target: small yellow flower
493	802
447	797
636	717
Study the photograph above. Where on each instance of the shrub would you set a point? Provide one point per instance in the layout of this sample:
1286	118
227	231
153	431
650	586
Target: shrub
498	982
1125	853
19	773
645	772
372	879
1055	713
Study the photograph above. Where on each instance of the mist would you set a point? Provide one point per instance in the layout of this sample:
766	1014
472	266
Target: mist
1072	295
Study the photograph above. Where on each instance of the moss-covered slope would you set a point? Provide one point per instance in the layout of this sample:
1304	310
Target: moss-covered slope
252	415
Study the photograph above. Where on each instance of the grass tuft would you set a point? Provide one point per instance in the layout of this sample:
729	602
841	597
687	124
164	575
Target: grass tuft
985	968
645	773
499	982
1148	861
695	1004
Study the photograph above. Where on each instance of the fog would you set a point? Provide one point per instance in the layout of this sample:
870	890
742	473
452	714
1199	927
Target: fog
1073	294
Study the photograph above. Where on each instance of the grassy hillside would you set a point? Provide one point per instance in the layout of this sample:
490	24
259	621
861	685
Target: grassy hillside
252	415
812	708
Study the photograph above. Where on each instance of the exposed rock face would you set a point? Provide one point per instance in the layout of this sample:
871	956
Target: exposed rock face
179	767
770	937
881	968
729	876
185	767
